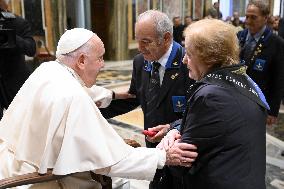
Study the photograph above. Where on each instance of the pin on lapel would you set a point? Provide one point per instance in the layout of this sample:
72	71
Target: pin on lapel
175	63
174	75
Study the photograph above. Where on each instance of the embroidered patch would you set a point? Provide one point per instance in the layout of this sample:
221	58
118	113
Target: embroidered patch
179	103
259	65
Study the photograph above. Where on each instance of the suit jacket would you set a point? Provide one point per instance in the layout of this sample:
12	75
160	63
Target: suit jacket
172	96
13	70
228	127
178	33
265	66
281	28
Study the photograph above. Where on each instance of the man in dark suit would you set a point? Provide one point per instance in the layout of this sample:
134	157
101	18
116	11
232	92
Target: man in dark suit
154	34
215	12
281	28
178	30
13	70
263	53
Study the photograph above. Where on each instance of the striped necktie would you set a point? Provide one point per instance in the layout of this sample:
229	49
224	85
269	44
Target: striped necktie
152	96
249	46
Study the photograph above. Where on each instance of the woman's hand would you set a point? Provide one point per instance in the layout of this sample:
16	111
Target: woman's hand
169	140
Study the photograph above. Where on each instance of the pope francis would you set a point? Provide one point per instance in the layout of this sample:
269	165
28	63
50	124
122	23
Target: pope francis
53	122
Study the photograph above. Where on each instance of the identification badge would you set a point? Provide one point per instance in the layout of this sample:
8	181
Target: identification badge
259	64
179	103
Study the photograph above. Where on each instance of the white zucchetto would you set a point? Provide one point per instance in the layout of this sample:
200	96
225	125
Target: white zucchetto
72	40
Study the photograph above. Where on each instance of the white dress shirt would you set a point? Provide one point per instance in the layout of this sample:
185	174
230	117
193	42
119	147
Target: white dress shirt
163	61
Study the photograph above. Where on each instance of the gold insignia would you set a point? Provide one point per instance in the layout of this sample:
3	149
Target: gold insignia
241	70
175	63
174	76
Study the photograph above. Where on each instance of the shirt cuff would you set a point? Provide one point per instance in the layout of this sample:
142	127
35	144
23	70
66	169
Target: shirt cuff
176	124
162	158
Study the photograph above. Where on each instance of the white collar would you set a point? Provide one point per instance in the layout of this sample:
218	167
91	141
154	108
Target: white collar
256	36
164	59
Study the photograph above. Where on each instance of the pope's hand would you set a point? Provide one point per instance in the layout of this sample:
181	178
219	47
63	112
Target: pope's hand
181	154
168	140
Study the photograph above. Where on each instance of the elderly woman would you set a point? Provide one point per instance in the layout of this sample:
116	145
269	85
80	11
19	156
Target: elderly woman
225	117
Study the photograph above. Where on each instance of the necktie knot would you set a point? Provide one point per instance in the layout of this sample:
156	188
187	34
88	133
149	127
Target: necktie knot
251	39
156	66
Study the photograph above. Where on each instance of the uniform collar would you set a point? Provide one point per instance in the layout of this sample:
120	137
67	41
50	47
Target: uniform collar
256	36
164	59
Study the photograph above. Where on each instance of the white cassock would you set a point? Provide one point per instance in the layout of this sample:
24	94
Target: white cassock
54	123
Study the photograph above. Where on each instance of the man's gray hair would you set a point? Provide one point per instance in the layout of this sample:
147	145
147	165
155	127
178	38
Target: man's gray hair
262	5
7	1
162	22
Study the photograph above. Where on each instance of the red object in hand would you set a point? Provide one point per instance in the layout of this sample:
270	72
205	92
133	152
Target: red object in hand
149	133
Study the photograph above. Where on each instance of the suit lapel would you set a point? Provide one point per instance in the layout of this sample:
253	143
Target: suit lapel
169	79
261	44
172	71
145	79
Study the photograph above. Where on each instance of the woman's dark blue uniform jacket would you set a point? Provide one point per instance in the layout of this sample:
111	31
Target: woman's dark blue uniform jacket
228	129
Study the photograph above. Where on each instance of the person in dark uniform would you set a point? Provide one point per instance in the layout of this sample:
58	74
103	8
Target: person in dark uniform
13	70
281	34
156	45
215	12
159	79
281	28
262	51
178	30
225	117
